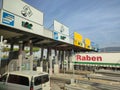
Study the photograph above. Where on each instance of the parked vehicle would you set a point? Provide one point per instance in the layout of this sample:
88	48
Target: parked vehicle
25	80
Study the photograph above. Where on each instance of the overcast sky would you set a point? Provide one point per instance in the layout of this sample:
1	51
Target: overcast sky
98	20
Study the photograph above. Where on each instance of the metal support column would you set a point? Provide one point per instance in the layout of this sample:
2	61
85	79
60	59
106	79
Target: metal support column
56	65
71	65
62	59
59	59
11	46
40	63
56	57
1	42
41	59
20	56
50	60
31	55
66	58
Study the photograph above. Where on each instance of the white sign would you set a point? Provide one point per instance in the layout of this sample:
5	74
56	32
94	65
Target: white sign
20	23
97	58
22	9
61	28
61	37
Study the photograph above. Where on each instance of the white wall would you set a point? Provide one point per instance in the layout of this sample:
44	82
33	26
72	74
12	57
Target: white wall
48	33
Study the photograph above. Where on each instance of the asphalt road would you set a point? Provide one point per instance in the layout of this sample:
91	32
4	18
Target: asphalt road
58	82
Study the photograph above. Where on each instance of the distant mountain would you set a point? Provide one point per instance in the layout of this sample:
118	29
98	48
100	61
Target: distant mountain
110	49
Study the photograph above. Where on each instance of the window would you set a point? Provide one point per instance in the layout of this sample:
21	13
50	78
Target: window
45	78
16	79
41	79
3	78
38	80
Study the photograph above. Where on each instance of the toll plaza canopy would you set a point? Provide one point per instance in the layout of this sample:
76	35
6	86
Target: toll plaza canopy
13	36
21	22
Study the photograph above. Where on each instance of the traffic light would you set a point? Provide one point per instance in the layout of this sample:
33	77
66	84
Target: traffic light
27	25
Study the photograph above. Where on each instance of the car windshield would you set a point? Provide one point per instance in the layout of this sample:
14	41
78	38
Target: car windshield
41	79
16	79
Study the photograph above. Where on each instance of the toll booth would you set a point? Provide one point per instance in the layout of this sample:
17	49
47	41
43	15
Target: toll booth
22	25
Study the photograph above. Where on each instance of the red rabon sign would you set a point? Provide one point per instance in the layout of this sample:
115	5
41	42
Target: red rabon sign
88	58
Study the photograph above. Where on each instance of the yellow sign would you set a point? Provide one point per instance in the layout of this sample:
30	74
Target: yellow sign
87	43
77	39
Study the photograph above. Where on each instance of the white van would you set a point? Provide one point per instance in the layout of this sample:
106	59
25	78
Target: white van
25	80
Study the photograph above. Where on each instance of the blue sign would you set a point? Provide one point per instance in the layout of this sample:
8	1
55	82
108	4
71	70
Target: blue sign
56	35
8	19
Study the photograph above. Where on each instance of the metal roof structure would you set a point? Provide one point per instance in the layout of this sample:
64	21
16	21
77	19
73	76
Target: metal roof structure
22	22
13	35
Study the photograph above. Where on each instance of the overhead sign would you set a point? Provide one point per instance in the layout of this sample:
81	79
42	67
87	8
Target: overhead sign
61	37
61	28
61	32
94	46
22	9
78	39
87	43
8	18
20	23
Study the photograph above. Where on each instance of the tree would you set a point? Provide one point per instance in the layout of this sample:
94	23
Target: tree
6	49
35	49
